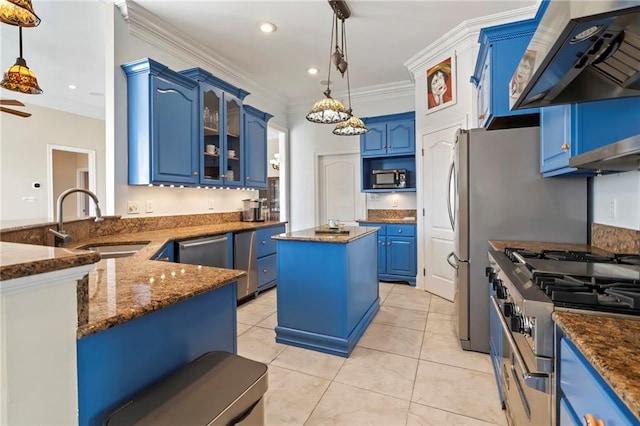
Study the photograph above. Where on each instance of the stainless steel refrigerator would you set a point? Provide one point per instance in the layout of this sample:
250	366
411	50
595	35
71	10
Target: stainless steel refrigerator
496	192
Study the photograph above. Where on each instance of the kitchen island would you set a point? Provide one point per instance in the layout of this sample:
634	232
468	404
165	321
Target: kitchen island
327	287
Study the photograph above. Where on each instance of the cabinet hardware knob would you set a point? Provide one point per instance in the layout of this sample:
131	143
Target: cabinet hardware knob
264	242
195	173
248	178
265	270
565	146
399	231
590	420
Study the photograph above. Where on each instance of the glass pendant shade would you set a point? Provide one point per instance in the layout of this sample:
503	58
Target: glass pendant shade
19	13
20	78
328	111
352	127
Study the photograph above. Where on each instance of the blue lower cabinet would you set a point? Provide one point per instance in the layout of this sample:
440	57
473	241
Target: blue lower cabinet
267	257
115	364
397	253
570	130
582	390
167	253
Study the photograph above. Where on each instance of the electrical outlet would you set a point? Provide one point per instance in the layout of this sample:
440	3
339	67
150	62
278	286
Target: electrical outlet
375	197
210	204
394	203
133	207
612	208
148	208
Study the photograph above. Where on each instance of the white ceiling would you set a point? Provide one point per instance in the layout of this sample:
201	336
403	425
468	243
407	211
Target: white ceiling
68	46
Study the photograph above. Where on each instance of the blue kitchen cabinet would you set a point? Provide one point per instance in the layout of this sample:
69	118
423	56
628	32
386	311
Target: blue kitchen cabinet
267	256
570	130
389	144
167	253
221	126
501	48
397	255
162	114
581	390
255	147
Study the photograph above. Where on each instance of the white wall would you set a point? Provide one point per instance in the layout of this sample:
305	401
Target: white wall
307	139
169	200
623	190
23	159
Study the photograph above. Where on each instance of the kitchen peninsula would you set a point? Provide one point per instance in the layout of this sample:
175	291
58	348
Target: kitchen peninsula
327	287
131	320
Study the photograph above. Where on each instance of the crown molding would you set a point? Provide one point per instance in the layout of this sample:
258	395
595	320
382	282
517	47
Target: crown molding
467	32
153	30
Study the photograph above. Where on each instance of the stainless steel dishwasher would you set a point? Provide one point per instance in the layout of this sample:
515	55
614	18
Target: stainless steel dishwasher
208	251
244	258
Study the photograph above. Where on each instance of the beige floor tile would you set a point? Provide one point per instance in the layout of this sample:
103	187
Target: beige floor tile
291	396
269	322
405	288
446	350
380	372
421	415
268	297
242	328
400	341
407	318
347	405
385	287
441	306
441	324
458	390
419	301
252	313
259	344
309	362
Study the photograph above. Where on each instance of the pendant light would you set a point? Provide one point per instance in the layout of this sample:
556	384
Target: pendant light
19	13
19	77
353	126
328	110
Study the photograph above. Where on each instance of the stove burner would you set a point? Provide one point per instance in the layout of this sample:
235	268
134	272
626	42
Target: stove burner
576	256
518	255
628	259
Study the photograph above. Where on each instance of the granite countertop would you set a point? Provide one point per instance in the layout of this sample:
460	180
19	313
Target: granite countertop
612	346
121	289
411	221
537	246
350	233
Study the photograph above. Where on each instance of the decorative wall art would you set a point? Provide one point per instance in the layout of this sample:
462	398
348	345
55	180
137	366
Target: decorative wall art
441	84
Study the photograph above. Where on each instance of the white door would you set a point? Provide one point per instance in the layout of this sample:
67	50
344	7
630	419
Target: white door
438	241
339	189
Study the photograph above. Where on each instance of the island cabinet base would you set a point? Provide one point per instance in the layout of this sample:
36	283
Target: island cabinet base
327	293
117	363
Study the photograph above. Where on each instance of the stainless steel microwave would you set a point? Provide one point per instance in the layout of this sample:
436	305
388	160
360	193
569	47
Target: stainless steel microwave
389	179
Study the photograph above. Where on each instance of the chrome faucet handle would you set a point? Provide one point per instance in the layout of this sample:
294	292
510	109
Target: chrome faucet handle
63	237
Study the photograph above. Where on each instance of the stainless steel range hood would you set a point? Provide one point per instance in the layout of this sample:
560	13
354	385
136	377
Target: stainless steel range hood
581	51
621	156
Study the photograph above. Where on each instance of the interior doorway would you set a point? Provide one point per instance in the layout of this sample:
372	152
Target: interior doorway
70	167
277	192
339	190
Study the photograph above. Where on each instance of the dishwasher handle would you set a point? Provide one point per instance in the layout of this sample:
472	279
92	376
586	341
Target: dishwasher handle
197	243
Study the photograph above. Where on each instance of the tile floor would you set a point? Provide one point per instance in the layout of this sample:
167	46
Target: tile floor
407	369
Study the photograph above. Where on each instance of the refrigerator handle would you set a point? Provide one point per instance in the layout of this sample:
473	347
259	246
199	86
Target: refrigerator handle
449	210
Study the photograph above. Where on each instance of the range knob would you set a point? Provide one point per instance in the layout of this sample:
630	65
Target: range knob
497	283
515	324
501	292
491	276
487	271
509	309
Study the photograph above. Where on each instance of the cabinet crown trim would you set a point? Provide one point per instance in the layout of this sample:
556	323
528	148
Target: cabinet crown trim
410	115
149	66
198	74
257	113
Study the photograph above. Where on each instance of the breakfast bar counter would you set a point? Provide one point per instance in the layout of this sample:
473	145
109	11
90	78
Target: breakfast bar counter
327	287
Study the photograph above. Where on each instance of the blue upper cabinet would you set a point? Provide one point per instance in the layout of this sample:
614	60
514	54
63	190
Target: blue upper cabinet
389	135
162	108
255	141
570	130
501	48
221	129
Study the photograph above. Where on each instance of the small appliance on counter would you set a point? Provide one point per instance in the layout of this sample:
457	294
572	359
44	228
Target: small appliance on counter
254	210
389	179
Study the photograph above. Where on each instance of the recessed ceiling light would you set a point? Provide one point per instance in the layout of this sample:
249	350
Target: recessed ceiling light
313	70
73	87
268	27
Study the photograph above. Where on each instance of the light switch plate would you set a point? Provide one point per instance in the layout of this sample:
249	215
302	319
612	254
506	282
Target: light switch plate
148	206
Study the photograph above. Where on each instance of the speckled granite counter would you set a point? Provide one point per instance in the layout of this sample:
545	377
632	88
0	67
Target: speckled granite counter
399	221
122	289
500	245
321	234
612	346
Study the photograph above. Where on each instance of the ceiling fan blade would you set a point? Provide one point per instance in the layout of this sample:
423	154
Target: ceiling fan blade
15	112
11	102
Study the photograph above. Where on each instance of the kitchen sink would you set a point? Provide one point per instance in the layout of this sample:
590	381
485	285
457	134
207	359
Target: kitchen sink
114	251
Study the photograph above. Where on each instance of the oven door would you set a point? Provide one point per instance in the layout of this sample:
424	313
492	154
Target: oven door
526	392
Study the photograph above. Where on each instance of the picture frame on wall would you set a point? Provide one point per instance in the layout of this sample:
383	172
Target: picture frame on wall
441	84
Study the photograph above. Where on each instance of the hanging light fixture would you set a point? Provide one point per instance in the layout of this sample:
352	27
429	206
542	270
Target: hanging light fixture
19	77
19	13
353	126
329	110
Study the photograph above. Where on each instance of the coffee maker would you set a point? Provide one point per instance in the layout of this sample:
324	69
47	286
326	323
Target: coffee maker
254	210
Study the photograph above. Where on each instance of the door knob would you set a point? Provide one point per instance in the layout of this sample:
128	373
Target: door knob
565	146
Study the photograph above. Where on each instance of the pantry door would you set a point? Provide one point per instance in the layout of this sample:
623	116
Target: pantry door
338	189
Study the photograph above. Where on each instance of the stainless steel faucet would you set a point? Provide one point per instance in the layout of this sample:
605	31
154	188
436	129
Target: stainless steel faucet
61	236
